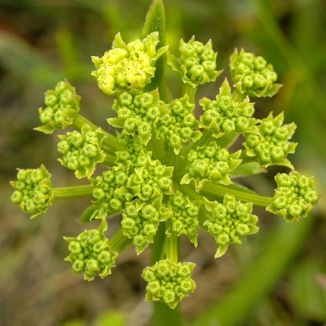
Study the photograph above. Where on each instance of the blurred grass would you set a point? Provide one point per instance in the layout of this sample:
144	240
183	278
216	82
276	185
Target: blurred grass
44	41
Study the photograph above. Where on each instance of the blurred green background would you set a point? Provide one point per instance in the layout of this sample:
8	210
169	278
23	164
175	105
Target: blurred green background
275	278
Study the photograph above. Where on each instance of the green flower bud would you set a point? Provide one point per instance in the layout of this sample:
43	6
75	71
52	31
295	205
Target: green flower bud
196	62
264	141
169	282
81	151
252	76
183	216
95	255
294	196
33	191
140	223
225	114
128	66
110	192
229	221
210	163
62	107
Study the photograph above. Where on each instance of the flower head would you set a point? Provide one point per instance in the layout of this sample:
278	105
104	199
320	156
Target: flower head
33	190
169	282
269	141
226	114
91	254
229	221
81	151
140	222
62	105
294	196
178	125
127	66
210	163
252	75
182	215
196	62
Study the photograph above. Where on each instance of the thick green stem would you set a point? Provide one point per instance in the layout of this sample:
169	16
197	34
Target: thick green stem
171	247
191	92
220	190
74	191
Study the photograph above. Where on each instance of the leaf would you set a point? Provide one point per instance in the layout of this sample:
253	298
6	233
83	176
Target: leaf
155	22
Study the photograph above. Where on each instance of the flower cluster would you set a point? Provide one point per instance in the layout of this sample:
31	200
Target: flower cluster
167	170
33	190
196	62
294	196
210	163
229	221
182	213
140	222
269	142
91	254
62	107
128	66
169	282
110	192
227	114
252	75
178	125
137	114
151	180
81	151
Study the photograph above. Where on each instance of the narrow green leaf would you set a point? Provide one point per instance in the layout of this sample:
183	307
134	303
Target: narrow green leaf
155	22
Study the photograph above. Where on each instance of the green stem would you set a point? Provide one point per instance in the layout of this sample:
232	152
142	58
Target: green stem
171	248
119	241
260	278
74	191
220	190
191	92
109	159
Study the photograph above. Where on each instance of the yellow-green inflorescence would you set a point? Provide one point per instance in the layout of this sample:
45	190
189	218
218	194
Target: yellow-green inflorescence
33	190
81	151
167	170
169	281
62	105
294	196
90	253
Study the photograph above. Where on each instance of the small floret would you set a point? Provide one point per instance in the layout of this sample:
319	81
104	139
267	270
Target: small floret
137	114
151	180
226	114
269	141
229	221
210	163
91	254
196	62
62	105
178	125
182	215
33	190
169	282
140	222
127	66
252	75
294	196
81	151
110	192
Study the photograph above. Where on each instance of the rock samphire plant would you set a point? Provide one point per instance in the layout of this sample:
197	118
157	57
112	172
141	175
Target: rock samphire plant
165	170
